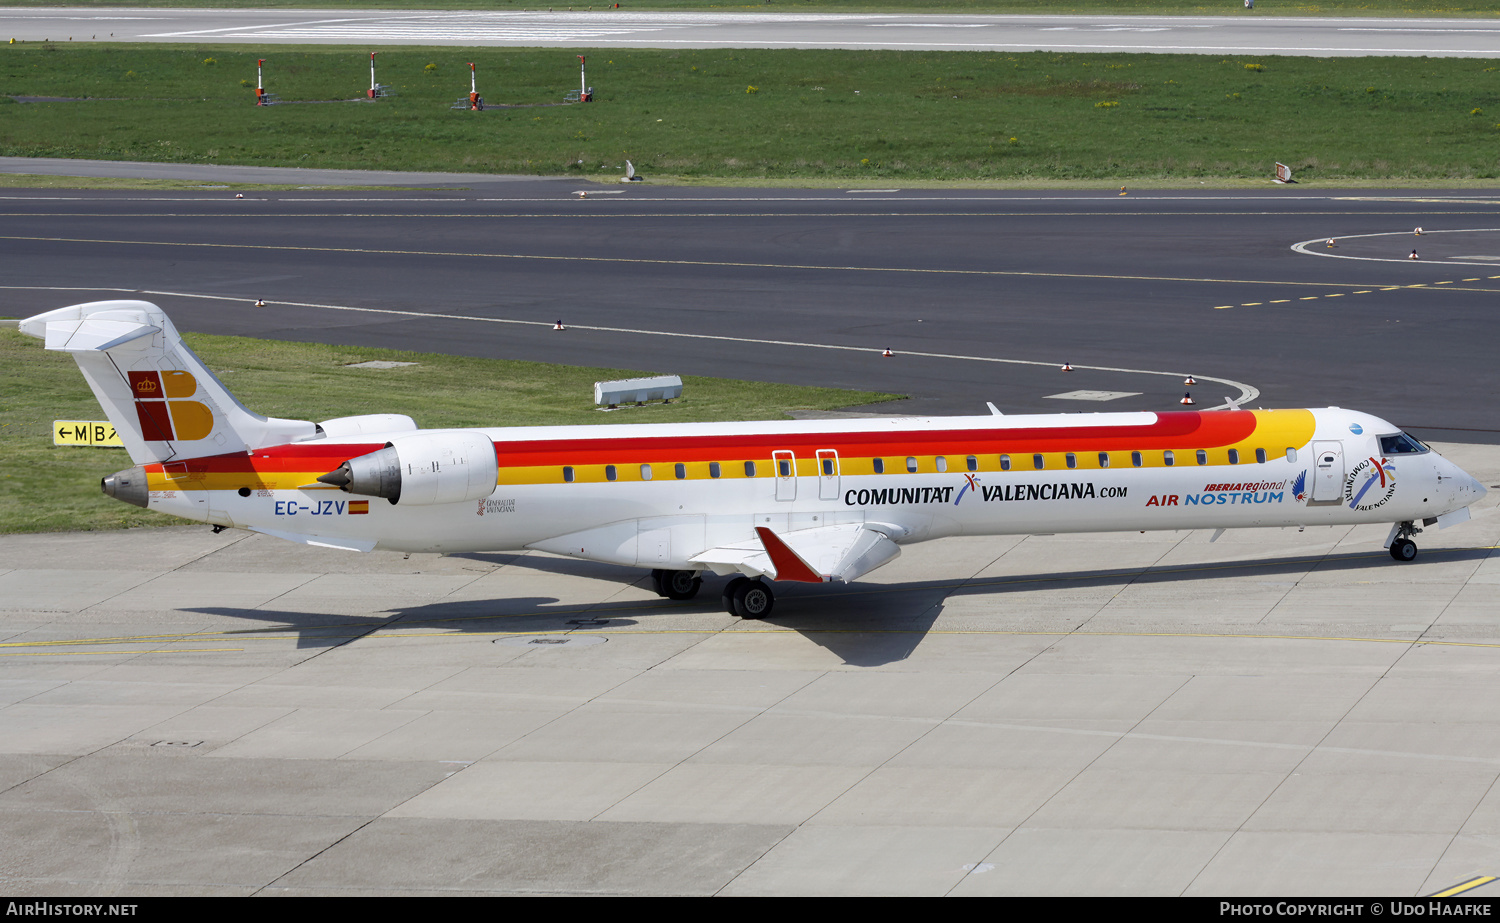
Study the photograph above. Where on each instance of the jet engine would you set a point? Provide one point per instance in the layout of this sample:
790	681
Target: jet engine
446	466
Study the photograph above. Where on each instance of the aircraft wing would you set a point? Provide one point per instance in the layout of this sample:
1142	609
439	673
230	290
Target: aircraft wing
821	555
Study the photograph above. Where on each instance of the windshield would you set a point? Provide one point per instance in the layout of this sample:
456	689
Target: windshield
1400	444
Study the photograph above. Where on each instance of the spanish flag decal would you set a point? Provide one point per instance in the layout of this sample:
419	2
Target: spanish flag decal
358	506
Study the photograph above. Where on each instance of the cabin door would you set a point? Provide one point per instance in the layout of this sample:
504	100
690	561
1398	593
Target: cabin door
1328	472
785	464
828	474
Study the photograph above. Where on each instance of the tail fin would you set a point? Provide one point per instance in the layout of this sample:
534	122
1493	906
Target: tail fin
163	401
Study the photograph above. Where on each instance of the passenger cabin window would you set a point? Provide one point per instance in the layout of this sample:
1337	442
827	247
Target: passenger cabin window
1291	454
1260	456
971	463
1072	460
568	474
942	463
828	467
1400	444
1168	459
1135	459
1202	457
714	470
609	473
1104	459
1234	456
784	467
680	470
645	472
1038	462
879	466
1005	463
749	469
911	464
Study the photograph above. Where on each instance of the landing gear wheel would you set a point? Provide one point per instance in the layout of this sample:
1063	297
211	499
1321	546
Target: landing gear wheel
1404	549
753	600
730	589
676	584
679	584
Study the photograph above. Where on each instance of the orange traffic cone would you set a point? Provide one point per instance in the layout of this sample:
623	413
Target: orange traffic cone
1187	400
1414	256
1189	380
260	302
1419	232
1331	244
558	326
1066	367
887	353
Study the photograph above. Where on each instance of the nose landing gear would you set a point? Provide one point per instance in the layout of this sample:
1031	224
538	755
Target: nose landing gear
1400	543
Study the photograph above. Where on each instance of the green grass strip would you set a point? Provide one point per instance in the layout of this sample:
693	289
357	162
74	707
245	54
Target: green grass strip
47	488
737	115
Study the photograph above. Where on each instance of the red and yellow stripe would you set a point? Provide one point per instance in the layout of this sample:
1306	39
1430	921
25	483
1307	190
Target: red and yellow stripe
541	461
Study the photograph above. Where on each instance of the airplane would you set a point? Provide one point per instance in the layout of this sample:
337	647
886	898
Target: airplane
811	501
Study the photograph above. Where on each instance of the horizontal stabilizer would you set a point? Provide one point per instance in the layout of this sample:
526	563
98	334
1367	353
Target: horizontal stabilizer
93	334
843	553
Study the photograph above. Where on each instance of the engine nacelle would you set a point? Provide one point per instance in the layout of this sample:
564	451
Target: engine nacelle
383	423
423	469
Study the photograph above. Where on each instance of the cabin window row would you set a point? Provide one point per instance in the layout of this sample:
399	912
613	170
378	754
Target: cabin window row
1105	459
679	471
828	467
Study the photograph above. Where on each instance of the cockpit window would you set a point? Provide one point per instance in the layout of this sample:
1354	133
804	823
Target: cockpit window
1400	444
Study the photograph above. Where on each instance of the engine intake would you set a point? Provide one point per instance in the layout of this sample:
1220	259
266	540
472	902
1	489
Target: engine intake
423	469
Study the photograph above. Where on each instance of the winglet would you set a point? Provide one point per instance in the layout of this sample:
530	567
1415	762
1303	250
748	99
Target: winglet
789	564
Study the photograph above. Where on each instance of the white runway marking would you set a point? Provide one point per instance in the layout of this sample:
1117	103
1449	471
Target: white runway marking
1247	392
1319	247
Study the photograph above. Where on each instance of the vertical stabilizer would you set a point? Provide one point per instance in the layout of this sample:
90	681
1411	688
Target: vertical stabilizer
163	401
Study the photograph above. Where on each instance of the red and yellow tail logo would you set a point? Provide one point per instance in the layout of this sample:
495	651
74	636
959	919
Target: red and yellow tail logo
163	416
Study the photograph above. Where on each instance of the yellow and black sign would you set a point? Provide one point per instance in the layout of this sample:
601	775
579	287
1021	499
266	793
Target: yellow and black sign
84	432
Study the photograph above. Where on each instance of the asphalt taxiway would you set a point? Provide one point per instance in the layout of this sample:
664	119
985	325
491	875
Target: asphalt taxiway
1247	32
1275	713
981	295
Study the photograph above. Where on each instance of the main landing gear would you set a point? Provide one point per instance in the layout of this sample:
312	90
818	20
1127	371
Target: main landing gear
743	597
676	584
748	599
1402	547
